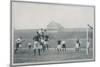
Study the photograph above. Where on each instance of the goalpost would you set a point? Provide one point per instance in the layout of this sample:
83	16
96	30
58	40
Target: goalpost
89	32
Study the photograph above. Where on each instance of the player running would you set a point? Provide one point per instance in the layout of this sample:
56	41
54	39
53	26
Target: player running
18	43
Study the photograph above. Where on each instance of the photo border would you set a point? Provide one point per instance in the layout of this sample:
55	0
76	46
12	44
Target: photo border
55	62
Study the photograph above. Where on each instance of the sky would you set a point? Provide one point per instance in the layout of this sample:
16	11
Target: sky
35	15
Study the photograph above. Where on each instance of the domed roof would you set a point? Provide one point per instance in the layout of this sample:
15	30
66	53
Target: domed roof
54	26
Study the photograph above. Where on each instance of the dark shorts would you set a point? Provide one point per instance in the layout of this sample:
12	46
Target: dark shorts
63	46
17	45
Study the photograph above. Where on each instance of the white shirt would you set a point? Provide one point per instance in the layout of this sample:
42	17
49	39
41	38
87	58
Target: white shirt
88	44
59	46
77	45
63	42
40	32
29	44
